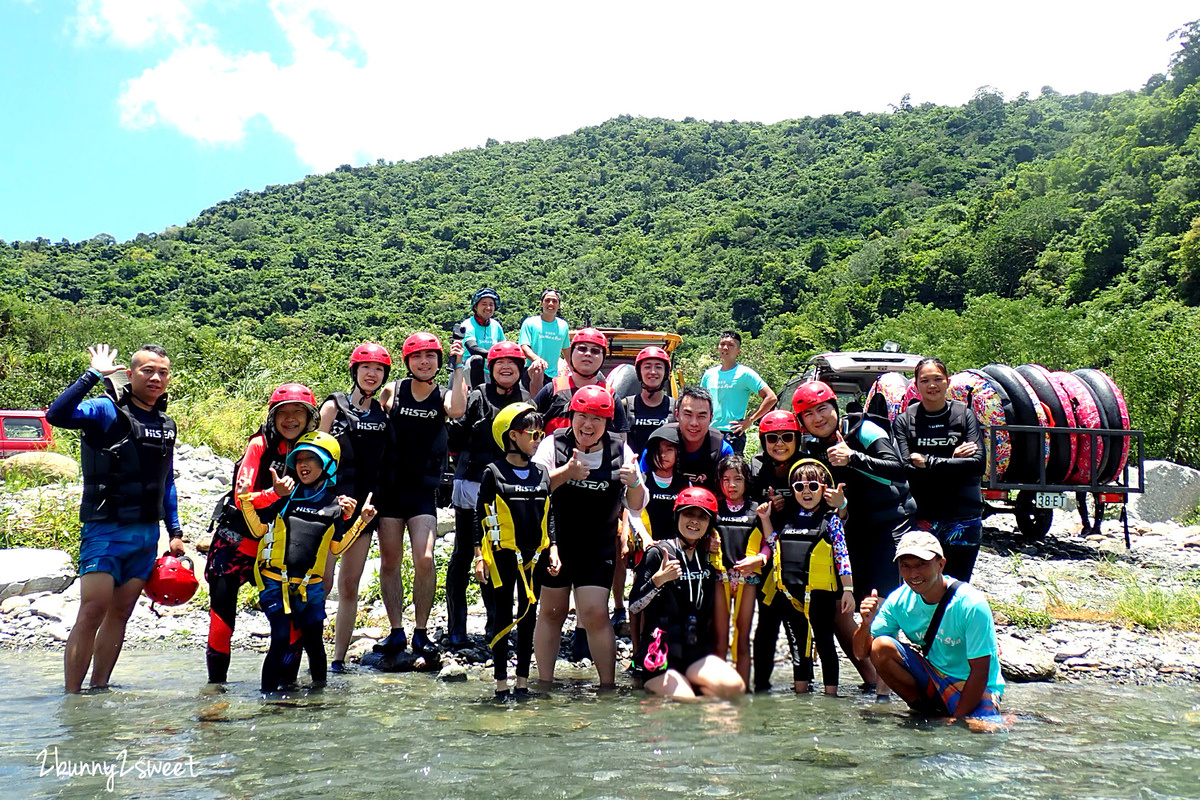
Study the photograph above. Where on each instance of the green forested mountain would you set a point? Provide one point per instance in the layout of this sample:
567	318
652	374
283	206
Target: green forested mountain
1064	229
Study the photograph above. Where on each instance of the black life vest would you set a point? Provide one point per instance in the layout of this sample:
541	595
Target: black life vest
644	420
227	519
482	405
804	555
586	511
738	529
522	508
125	481
701	467
298	543
363	438
420	437
659	513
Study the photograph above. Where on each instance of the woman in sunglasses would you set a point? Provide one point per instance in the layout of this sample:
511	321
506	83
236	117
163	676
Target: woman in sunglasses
802	589
779	438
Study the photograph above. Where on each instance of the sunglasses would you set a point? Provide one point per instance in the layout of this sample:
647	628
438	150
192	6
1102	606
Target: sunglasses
787	437
812	486
536	435
589	351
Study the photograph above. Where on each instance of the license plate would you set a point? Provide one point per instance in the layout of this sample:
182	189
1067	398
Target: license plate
1050	500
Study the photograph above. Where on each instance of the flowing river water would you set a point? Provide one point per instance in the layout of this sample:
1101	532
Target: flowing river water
373	735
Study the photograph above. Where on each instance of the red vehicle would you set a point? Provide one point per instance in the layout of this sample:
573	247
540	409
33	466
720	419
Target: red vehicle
23	432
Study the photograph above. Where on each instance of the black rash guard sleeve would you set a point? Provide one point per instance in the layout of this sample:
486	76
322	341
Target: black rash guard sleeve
974	465
879	459
487	494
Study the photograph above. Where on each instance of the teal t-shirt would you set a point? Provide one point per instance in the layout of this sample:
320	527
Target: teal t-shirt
731	390
548	339
966	631
484	336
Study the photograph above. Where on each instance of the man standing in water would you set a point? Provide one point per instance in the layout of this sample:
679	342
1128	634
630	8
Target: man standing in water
731	386
956	673
127	458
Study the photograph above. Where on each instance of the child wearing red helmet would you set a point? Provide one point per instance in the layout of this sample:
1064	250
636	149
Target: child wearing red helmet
675	594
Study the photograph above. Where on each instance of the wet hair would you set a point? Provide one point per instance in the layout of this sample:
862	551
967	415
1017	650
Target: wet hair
928	362
696	393
655	459
737	464
554	292
737	337
155	349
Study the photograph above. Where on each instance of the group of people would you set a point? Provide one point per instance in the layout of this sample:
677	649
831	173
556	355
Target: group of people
563	495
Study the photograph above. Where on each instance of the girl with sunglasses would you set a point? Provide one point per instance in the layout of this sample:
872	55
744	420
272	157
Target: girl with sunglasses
802	588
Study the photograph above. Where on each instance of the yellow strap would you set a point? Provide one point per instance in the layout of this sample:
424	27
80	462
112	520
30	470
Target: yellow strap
737	615
525	571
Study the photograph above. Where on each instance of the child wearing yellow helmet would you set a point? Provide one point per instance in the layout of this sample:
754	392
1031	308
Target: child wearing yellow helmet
297	533
512	526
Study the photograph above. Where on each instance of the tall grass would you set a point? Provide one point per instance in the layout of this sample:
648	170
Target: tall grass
1159	609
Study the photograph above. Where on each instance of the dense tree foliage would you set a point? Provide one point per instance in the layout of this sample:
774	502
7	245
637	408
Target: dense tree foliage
1063	229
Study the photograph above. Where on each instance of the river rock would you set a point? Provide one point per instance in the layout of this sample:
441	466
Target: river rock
452	673
41	467
1071	650
17	602
25	570
49	606
56	631
1020	662
1112	547
1172	492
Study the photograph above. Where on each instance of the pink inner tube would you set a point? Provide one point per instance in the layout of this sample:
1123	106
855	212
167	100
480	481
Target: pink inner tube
989	409
894	388
1064	400
1124	421
1083	406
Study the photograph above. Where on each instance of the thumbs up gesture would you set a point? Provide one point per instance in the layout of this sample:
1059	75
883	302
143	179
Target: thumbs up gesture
669	571
835	497
630	474
869	607
776	500
577	468
283	486
839	453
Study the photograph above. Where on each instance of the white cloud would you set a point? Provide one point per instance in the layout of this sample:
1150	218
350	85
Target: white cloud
136	23
380	78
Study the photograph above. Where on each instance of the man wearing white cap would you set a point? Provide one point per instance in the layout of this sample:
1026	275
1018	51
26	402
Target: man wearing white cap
952	667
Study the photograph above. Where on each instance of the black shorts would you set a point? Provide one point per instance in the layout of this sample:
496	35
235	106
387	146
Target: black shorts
410	504
576	571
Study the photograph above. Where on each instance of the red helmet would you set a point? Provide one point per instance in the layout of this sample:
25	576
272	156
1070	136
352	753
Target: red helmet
172	583
370	352
505	349
293	393
590	336
647	353
367	352
696	496
593	400
778	421
810	395
418	342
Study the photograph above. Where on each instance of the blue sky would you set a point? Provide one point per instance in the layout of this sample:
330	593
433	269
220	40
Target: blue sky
127	116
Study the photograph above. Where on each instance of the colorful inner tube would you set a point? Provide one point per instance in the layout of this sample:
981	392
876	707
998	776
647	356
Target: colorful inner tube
1115	416
1058	408
893	388
1030	450
1087	415
975	388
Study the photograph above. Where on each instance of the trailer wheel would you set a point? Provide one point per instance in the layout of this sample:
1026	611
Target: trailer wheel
1032	521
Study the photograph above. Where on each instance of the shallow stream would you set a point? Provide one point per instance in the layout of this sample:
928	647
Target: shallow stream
377	735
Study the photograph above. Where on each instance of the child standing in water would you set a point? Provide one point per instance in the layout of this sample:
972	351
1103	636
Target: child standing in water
512	525
744	554
802	587
297	533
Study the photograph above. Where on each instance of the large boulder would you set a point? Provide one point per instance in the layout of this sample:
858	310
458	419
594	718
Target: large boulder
1021	663
41	467
25	570
1172	492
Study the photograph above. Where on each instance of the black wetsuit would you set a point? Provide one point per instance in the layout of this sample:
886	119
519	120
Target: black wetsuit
419	445
365	440
683	609
643	420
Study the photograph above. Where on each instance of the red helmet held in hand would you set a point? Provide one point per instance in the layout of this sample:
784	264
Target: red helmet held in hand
173	582
812	394
593	400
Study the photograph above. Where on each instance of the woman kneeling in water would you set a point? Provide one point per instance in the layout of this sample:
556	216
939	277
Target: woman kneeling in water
676	594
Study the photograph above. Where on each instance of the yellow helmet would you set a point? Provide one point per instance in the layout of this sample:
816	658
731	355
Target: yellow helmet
325	447
504	419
